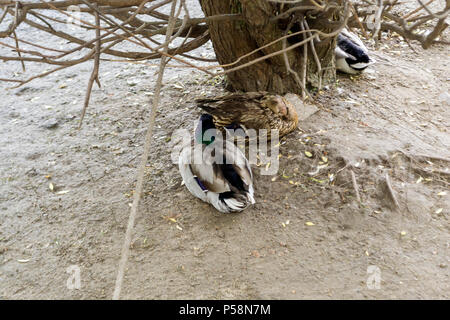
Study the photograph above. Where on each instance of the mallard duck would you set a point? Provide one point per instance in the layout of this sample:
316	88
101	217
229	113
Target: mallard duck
215	170
252	110
352	56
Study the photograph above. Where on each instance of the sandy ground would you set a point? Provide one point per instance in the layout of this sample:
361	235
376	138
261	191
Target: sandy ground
305	238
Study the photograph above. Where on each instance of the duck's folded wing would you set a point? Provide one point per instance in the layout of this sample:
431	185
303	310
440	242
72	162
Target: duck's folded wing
211	171
240	164
341	54
226	106
211	177
245	175
350	36
231	105
233	97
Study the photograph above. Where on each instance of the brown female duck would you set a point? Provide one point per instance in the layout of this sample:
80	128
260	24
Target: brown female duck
252	110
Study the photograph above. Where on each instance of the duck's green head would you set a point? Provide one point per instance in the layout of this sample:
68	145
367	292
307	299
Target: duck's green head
206	131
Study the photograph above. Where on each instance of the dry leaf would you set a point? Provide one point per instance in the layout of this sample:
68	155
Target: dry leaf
23	260
256	254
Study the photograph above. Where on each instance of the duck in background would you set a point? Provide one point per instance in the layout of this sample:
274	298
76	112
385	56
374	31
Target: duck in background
352	56
252	110
219	174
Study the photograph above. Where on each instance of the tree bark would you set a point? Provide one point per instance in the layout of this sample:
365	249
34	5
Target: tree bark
233	39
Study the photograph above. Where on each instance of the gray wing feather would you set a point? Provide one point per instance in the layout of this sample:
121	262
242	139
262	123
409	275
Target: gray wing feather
207	171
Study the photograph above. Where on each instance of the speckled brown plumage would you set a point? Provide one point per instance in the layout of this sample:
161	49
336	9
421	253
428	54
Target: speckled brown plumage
252	110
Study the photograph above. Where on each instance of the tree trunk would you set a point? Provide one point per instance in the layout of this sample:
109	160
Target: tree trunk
233	39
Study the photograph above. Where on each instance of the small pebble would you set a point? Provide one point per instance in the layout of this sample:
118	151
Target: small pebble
50	124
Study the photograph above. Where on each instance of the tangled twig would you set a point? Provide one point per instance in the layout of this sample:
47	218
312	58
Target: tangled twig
121	23
355	186
391	191
95	70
